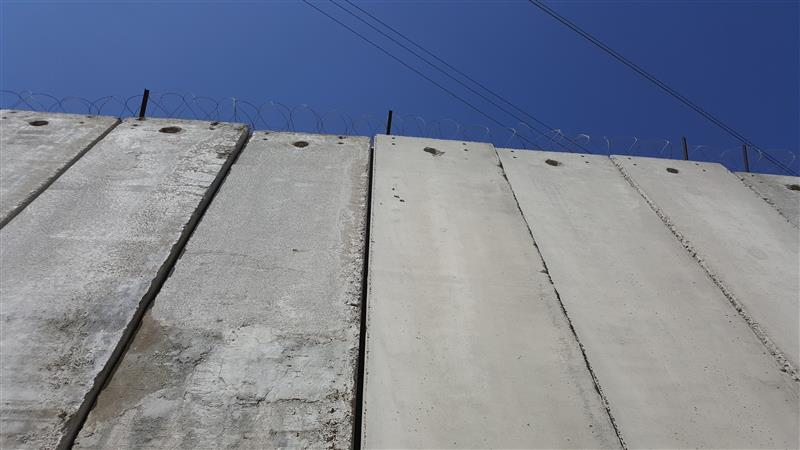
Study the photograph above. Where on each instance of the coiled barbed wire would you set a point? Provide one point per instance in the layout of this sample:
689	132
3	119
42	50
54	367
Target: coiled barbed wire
276	116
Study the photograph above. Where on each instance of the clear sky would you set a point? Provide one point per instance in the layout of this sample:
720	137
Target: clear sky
737	59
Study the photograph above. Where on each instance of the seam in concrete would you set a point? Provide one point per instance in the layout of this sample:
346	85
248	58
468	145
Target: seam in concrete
769	202
75	423
783	364
362	404
56	176
598	388
361	366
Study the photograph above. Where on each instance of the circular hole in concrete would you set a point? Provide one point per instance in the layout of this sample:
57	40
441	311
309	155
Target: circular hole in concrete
552	162
170	130
341	137
300	144
793	187
38	123
671	170
340	143
213	124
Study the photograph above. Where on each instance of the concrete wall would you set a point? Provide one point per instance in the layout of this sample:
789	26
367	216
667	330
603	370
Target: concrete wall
82	260
253	340
584	301
744	245
35	148
467	345
679	367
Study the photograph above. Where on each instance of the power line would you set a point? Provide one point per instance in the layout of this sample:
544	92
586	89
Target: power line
407	39
408	66
616	55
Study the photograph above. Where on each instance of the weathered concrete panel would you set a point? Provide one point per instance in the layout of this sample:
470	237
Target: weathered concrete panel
467	345
253	340
679	367
81	260
742	242
782	192
36	147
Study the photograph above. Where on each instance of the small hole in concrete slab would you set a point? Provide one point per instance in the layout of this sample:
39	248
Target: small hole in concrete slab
38	123
300	144
671	170
433	151
213	124
81	122
552	162
340	142
12	112
170	130
793	187
264	139
89	117
135	125
466	149
341	137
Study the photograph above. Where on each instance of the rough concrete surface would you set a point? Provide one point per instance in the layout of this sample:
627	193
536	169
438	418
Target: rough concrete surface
679	367
467	345
780	191
80	261
253	340
749	249
36	148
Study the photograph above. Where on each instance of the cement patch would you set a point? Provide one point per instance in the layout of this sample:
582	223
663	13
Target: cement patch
253	340
749	250
36	147
679	367
467	345
82	260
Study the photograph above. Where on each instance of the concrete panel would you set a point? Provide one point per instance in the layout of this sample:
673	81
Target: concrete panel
253	340
782	192
35	148
748	249
467	344
80	262
679	367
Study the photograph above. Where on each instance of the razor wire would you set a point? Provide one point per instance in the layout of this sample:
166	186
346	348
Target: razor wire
276	116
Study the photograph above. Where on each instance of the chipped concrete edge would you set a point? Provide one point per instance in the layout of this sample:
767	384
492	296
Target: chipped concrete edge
74	424
596	381
783	364
46	183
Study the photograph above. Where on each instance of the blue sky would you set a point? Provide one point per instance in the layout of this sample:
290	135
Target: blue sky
738	60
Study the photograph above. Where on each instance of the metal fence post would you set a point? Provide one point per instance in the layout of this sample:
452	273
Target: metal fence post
389	123
143	107
685	149
746	159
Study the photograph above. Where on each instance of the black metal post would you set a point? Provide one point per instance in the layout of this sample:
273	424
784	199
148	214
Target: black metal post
143	108
685	149
389	123
746	159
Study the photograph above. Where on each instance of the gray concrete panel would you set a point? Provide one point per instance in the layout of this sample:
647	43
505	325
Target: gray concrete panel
780	191
37	147
253	340
467	345
678	366
80	262
749	250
